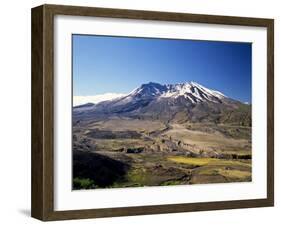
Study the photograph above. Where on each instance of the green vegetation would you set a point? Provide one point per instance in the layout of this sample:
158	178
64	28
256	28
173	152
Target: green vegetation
137	176
224	171
175	182
83	183
205	161
235	173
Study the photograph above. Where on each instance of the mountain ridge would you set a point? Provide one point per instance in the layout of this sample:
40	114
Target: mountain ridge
182	102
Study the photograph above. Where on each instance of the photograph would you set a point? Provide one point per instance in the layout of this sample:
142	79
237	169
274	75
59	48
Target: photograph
160	112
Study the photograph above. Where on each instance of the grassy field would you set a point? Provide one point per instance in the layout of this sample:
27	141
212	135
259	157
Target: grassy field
206	161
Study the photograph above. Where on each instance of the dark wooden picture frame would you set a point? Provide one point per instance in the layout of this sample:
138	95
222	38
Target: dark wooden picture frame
42	203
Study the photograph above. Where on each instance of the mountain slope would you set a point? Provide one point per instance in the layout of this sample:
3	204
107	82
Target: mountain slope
174	102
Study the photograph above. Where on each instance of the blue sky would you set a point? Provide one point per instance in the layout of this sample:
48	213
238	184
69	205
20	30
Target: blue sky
103	64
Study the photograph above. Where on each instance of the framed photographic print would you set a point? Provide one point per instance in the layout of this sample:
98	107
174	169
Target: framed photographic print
141	112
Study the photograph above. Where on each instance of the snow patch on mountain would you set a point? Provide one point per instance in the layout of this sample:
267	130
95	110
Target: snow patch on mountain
186	90
209	91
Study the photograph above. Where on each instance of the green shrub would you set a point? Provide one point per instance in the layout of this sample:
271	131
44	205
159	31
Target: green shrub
83	183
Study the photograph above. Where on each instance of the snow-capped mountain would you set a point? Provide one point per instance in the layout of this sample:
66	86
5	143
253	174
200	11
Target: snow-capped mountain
184	101
192	91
